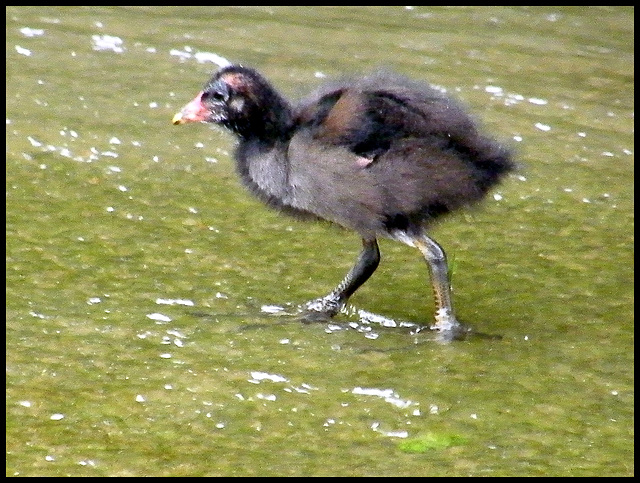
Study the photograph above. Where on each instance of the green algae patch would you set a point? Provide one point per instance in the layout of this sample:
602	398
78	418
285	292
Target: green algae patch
431	441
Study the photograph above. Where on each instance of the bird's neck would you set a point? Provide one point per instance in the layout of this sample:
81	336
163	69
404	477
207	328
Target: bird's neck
270	120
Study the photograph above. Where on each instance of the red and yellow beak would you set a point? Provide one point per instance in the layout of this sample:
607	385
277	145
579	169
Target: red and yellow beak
195	111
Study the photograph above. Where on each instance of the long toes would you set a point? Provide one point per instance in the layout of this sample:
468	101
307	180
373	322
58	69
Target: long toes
322	309
313	316
451	333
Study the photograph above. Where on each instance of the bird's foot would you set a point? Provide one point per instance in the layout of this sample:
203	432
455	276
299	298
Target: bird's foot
322	309
448	327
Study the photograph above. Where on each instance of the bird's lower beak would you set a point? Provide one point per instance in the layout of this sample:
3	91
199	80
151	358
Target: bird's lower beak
178	119
195	111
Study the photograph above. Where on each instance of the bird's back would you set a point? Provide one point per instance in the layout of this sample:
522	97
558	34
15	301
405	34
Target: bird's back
389	153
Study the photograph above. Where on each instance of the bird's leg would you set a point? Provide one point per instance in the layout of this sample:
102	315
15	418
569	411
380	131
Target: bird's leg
438	270
329	305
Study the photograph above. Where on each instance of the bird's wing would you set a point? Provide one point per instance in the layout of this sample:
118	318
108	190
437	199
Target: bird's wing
369	122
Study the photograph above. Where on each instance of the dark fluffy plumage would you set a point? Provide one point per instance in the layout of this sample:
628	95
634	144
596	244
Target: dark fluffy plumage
380	154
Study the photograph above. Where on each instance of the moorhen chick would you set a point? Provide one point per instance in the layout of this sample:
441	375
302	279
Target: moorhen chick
379	154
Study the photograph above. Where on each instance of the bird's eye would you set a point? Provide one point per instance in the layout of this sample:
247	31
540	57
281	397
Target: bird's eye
213	95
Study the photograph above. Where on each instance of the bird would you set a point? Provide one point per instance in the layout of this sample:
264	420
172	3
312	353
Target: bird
380	153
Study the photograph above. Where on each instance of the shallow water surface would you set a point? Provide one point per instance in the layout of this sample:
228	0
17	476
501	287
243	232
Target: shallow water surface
151	302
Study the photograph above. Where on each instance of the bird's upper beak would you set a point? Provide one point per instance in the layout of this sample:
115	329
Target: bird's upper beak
195	111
